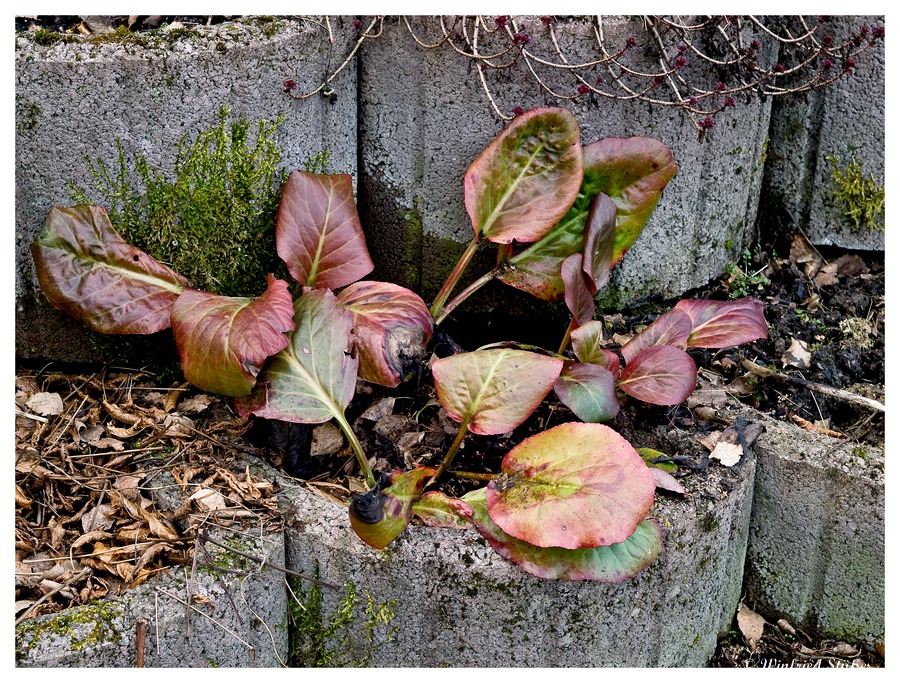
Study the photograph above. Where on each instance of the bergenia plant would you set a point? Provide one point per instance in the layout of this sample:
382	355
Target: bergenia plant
571	502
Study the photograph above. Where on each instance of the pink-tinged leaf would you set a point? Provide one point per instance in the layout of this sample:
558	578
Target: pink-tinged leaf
662	375
223	341
392	325
666	481
493	391
633	172
87	270
576	485
589	391
318	234
720	324
672	328
313	379
437	509
599	241
608	564
587	343
378	517
523	183
579	299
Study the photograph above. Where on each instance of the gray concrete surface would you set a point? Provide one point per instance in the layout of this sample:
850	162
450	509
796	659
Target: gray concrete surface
235	620
458	603
74	100
817	534
845	121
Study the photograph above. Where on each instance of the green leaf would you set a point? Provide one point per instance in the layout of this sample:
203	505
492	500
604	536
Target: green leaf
392	326
493	391
438	509
633	173
87	270
313	379
657	459
573	486
378	517
523	183
609	564
587	343
223	341
318	234
589	391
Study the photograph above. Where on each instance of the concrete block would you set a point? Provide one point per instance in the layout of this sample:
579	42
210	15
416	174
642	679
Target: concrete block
845	121
817	533
458	603
424	118
251	631
76	98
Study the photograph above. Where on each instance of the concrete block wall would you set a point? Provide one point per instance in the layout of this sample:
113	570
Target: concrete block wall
75	99
845	121
817	534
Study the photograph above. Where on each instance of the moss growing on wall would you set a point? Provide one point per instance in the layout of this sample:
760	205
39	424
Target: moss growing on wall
860	198
345	637
214	221
85	626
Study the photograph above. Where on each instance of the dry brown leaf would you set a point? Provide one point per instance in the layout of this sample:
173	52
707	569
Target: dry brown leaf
171	399
150	554
326	440
806	424
798	355
711	440
22	499
101	517
195	404
46	403
827	276
129	486
209	499
107	442
90	537
803	253
125	432
751	625
728	454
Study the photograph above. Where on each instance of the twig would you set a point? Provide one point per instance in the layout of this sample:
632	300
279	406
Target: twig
141	638
840	394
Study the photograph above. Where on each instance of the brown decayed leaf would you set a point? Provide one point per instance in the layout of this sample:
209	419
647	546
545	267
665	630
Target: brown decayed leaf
45	403
727	453
751	625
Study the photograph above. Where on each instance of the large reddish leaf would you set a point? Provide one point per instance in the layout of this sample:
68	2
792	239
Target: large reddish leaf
663	375
672	328
86	269
223	341
633	173
318	234
719	324
579	299
312	380
609	563
599	241
493	391
392	324
523	183
576	485
589	391
378	517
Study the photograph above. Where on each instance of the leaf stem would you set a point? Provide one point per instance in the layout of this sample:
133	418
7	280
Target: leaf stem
567	336
457	442
465	294
475	476
452	279
357	450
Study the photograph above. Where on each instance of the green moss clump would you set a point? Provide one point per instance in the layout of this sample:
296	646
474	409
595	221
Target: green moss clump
84	626
319	640
860	198
214	222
